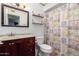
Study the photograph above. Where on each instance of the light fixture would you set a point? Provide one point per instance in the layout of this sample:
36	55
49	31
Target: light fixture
21	5
17	4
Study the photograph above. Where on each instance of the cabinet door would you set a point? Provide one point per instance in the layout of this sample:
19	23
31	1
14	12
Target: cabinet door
29	46
19	47
4	50
14	47
11	48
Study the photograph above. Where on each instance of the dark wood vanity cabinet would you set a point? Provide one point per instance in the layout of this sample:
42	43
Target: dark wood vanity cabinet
18	47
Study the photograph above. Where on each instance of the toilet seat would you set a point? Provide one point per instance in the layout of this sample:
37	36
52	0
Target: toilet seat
45	48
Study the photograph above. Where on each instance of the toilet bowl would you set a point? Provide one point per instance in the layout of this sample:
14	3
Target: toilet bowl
44	48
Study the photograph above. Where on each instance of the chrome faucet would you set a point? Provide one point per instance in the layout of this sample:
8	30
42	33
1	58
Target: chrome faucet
11	34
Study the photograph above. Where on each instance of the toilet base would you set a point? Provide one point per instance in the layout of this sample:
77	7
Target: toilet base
43	54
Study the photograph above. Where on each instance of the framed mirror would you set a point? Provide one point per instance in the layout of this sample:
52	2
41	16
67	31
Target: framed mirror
14	17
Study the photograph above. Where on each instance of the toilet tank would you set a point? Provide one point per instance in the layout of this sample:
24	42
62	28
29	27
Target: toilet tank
40	40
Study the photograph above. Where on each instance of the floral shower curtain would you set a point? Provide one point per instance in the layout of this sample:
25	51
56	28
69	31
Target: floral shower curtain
62	29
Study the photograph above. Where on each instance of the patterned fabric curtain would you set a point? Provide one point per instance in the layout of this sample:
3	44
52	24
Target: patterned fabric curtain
62	29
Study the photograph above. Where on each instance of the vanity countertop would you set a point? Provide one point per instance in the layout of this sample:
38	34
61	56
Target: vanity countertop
6	37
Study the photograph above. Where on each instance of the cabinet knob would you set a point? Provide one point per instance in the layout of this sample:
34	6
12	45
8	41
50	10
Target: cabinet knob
12	43
9	43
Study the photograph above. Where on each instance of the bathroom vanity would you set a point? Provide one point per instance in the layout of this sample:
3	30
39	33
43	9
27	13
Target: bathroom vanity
19	45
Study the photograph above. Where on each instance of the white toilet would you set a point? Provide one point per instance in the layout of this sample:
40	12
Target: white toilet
44	49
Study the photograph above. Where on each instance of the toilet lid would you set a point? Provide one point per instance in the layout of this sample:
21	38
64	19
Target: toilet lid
45	46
